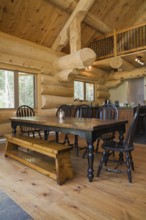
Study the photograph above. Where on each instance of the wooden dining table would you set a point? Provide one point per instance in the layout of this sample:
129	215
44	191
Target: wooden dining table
88	128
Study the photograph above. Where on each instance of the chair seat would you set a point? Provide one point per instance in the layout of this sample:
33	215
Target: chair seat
116	146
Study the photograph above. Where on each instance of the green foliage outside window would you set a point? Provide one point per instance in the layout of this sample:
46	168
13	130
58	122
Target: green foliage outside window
6	89
83	91
26	90
16	89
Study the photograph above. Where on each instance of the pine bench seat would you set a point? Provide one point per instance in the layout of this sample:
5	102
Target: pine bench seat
51	159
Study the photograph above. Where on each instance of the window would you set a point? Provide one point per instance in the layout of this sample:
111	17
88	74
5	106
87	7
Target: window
26	89
84	91
78	90
17	88
89	91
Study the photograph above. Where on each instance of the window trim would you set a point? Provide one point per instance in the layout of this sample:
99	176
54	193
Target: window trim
16	88
84	87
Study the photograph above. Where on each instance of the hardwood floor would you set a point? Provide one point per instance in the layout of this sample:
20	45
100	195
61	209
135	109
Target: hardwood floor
109	197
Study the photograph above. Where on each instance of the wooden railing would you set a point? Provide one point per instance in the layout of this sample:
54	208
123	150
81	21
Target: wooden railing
120	42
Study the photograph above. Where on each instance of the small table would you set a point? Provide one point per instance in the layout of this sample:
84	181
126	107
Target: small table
88	128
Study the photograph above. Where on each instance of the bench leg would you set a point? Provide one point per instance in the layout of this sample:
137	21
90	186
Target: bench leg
10	147
63	167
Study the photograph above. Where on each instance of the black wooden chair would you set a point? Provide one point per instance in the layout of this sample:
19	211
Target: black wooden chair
27	111
110	112
124	149
82	111
67	113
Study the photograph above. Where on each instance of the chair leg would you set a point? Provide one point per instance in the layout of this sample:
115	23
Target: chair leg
57	137
76	145
128	167
97	145
39	134
66	140
33	134
103	159
131	161
85	152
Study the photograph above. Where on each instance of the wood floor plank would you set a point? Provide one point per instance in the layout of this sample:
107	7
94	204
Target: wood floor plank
109	197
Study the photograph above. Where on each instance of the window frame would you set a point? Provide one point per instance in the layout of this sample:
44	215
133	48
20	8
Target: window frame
16	88
84	92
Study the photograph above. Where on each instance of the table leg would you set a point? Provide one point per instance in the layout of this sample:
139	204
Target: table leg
14	129
46	134
90	174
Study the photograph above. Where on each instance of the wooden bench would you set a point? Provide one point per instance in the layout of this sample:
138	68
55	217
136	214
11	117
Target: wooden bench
51	159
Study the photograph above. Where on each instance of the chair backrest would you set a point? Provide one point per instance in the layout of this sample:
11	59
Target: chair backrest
107	111
66	109
128	142
25	111
83	111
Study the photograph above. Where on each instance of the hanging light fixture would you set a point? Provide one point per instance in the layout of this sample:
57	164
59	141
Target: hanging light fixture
139	60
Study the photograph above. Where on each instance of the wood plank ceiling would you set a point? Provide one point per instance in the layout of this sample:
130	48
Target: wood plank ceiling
41	21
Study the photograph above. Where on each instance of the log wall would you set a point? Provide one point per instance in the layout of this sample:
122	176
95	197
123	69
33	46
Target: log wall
54	92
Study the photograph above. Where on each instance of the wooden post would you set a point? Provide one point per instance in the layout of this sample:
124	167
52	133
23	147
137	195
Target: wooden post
82	8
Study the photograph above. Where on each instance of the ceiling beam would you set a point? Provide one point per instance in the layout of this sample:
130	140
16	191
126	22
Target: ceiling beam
137	72
91	20
75	35
113	63
80	11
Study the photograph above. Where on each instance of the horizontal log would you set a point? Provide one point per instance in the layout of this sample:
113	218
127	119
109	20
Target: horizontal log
49	112
5	115
19	47
66	75
101	87
5	129
48	80
113	83
49	101
22	53
80	59
26	63
18	68
113	63
103	64
121	63
102	94
93	74
137	72
57	91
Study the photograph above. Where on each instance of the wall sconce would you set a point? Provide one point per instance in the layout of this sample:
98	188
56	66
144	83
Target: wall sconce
139	60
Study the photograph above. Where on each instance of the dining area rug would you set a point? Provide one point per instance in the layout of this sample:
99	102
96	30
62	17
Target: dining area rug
9	210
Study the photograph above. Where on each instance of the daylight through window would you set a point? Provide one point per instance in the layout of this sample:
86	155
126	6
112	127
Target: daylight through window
16	89
84	91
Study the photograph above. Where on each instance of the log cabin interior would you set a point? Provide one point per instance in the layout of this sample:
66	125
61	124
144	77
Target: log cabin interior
47	49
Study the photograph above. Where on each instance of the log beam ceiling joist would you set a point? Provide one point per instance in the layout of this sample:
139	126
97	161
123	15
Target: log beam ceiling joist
79	12
90	19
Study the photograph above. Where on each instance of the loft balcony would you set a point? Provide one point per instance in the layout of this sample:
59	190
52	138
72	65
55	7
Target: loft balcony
120	42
